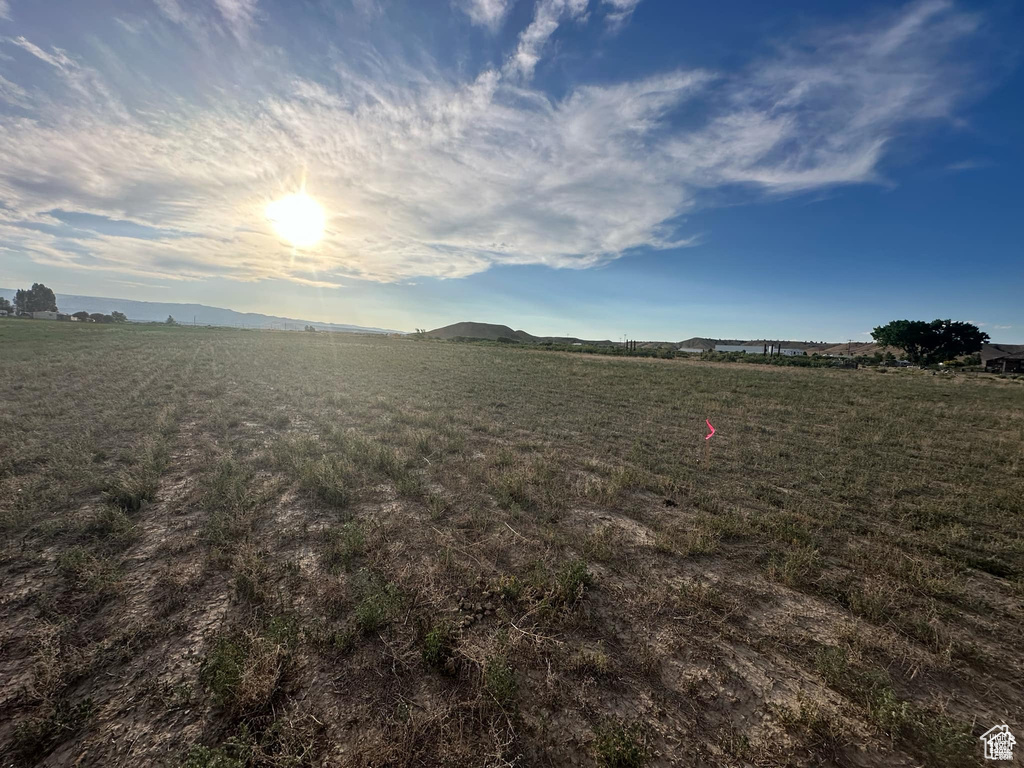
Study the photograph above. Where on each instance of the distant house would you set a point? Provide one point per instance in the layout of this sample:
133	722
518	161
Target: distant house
3	313
1003	358
45	315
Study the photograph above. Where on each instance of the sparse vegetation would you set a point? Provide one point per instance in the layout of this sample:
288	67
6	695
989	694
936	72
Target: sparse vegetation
239	535
621	745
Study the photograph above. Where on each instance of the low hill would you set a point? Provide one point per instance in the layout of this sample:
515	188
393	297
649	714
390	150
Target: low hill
157	311
493	332
488	331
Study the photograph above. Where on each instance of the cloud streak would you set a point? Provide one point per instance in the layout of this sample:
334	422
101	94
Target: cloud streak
424	174
547	17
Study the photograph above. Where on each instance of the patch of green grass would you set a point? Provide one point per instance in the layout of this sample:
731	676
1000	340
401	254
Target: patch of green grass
500	680
131	488
251	577
438	644
798	566
621	745
329	479
85	571
572	582
243	671
342	546
943	741
379	603
111	524
820	729
36	736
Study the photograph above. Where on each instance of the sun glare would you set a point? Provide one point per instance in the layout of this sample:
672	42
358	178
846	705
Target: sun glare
297	218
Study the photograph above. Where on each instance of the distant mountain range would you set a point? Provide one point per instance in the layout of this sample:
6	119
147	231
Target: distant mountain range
492	332
157	311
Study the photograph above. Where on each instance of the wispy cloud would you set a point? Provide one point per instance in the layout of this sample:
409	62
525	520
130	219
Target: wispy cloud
548	15
426	174
969	165
57	59
240	15
1002	327
237	17
620	11
5	9
486	13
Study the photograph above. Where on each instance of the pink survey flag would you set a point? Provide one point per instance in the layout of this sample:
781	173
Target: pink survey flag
708	437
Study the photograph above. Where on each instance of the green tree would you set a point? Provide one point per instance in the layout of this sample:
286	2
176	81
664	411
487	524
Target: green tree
925	343
38	298
170	320
99	317
82	316
119	317
5	305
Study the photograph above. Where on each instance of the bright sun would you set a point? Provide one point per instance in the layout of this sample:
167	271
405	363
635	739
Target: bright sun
297	218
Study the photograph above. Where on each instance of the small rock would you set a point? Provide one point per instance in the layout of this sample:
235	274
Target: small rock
479	617
488	606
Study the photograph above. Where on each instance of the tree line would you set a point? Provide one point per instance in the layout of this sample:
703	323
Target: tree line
39	298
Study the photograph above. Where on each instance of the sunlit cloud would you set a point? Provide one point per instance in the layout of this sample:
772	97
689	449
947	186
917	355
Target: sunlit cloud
424	173
486	13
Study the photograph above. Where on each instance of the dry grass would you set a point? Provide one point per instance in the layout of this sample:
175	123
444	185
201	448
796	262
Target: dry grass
233	548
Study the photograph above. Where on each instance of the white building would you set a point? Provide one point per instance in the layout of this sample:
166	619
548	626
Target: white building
45	315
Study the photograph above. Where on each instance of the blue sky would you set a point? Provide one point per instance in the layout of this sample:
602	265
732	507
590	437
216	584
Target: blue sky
660	169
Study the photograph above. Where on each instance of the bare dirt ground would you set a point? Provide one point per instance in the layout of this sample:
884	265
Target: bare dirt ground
227	548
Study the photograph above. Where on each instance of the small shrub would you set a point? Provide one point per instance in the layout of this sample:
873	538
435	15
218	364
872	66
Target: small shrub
379	604
500	680
510	588
621	745
573	580
437	646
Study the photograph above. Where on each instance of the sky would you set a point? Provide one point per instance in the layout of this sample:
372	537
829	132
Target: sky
657	169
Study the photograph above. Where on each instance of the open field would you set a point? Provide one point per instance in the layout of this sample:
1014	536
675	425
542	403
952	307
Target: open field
229	548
